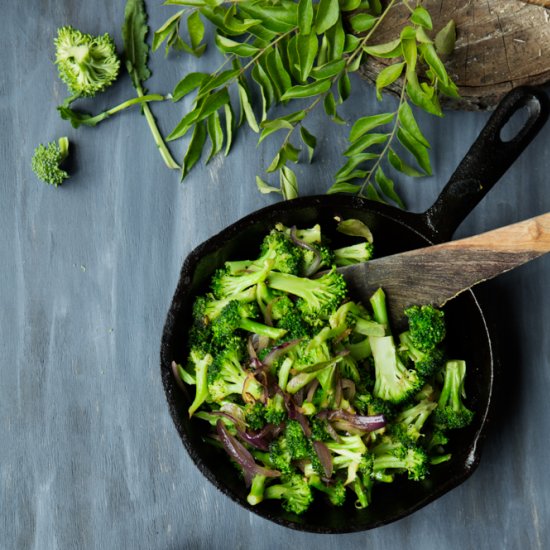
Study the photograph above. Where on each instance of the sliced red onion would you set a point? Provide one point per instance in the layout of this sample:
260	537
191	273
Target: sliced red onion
342	336
325	458
248	397
259	342
279	350
177	376
338	393
306	246
238	452
360	422
304	423
311	390
333	433
251	349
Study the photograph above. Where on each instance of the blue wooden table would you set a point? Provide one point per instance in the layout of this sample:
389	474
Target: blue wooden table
89	457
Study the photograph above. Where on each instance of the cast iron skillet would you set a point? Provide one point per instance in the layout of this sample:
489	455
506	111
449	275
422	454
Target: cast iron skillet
394	231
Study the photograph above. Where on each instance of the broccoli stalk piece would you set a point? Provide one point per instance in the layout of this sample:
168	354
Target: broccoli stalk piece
353	254
426	363
89	65
394	382
201	363
379	309
393	455
235	315
226	376
451	412
348	454
318	298
335	492
226	284
360	350
47	159
294	491
426	326
257	488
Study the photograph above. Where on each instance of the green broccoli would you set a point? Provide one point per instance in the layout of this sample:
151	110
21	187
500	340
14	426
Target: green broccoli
451	411
238	315
336	492
87	64
206	308
255	415
353	254
226	376
257	488
391	455
394	382
280	457
426	326
426	362
226	284
348	453
294	491
47	159
275	411
201	365
409	422
318	298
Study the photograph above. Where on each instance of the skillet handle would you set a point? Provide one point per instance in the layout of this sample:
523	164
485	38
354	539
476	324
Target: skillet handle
486	161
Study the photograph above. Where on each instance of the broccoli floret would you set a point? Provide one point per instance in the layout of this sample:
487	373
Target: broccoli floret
318	298
87	64
238	315
348	453
294	491
310	235
255	415
353	254
426	326
313	260
336	491
362	484
367	404
426	363
47	159
394	382
319	430
297	443
451	411
226	376
409	423
201	364
275	411
393	455
354	317
206	308
280	456
380	309
226	284
360	350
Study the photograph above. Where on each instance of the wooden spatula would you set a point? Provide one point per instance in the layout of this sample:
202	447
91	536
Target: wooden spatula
438	273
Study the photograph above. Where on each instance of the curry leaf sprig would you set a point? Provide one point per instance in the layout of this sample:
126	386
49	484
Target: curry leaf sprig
300	55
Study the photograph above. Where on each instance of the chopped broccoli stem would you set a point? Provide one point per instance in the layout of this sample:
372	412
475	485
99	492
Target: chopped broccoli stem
201	363
379	308
294	491
256	494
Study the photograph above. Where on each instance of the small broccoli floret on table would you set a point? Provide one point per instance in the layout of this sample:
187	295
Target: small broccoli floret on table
451	411
318	298
353	254
87	64
426	326
393	382
294	491
47	159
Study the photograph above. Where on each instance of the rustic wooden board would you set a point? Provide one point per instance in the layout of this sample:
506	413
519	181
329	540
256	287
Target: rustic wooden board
500	44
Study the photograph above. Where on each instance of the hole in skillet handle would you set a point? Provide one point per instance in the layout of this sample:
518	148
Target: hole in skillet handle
494	151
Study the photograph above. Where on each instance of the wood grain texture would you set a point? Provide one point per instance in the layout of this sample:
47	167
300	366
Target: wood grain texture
437	274
500	44
89	457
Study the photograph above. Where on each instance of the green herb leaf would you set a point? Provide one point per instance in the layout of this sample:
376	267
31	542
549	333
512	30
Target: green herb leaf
215	133
430	56
388	76
418	150
229	126
266	88
247	108
307	46
215	81
328	12
344	187
271	126
349	5
136	49
336	39
401	166
169	27
362	22
265	188
327	70
305	16
194	149
407	121
310	141
355	228
226	45
277	72
195	28
445	39
385	50
352	163
289	183
307	90
372	194
344	86
187	84
367	123
422	17
387	187
364	143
